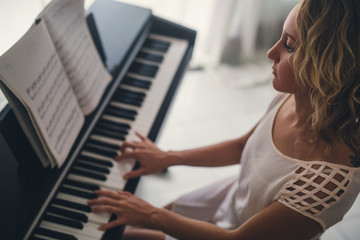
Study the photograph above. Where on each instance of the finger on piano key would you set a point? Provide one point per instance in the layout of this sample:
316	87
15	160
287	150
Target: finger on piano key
141	124
78	202
70	202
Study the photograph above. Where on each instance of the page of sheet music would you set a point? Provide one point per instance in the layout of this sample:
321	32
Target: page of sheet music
66	23
33	71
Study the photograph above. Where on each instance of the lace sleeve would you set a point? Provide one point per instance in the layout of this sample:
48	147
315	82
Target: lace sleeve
315	188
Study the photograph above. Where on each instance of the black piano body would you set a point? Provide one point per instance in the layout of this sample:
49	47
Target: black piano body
119	31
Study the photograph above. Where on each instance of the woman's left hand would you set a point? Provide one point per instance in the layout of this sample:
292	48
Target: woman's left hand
129	209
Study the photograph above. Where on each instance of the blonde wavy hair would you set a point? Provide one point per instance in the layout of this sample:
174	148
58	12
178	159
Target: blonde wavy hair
327	63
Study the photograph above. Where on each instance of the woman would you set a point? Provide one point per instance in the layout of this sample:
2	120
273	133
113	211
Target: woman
299	165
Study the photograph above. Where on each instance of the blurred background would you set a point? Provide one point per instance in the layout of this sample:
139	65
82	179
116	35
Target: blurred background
225	91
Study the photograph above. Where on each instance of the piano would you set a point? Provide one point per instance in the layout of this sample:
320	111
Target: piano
147	57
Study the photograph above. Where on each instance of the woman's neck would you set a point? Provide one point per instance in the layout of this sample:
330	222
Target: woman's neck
300	110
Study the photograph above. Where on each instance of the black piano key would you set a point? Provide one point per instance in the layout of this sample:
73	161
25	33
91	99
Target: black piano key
91	167
145	84
157	41
129	93
96	176
122	109
125	100
76	192
68	214
112	146
101	151
109	133
88	186
53	234
118	124
157	45
129	97
144	69
120	113
63	221
73	205
126	96
140	66
96	160
113	128
151	56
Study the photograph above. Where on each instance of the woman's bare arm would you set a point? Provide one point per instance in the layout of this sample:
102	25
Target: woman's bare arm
274	222
152	159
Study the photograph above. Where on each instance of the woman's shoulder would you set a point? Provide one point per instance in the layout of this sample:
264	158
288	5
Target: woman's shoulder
321	190
341	153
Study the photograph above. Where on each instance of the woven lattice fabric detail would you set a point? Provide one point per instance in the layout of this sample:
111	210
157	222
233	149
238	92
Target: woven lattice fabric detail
316	187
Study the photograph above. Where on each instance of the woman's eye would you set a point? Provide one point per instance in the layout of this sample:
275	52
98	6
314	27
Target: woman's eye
288	47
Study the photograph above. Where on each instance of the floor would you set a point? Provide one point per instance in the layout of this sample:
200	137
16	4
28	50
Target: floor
211	106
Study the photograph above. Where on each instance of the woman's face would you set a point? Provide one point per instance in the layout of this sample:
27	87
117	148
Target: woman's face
281	54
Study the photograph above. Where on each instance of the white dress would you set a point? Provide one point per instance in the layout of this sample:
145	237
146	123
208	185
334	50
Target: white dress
320	190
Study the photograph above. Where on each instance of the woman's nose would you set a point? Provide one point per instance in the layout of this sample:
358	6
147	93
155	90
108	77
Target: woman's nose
272	53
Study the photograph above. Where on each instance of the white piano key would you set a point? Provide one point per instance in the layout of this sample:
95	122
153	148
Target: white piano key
124	105
132	88
148	61
134	75
124	166
77	236
117	119
72	198
117	171
45	237
110	177
89	230
106	139
111	185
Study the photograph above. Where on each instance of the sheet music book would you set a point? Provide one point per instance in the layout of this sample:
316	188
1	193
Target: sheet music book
53	77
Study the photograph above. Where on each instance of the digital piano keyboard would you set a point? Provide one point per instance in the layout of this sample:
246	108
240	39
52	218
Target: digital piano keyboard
146	56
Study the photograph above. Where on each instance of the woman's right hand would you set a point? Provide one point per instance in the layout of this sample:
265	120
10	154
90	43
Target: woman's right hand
151	158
